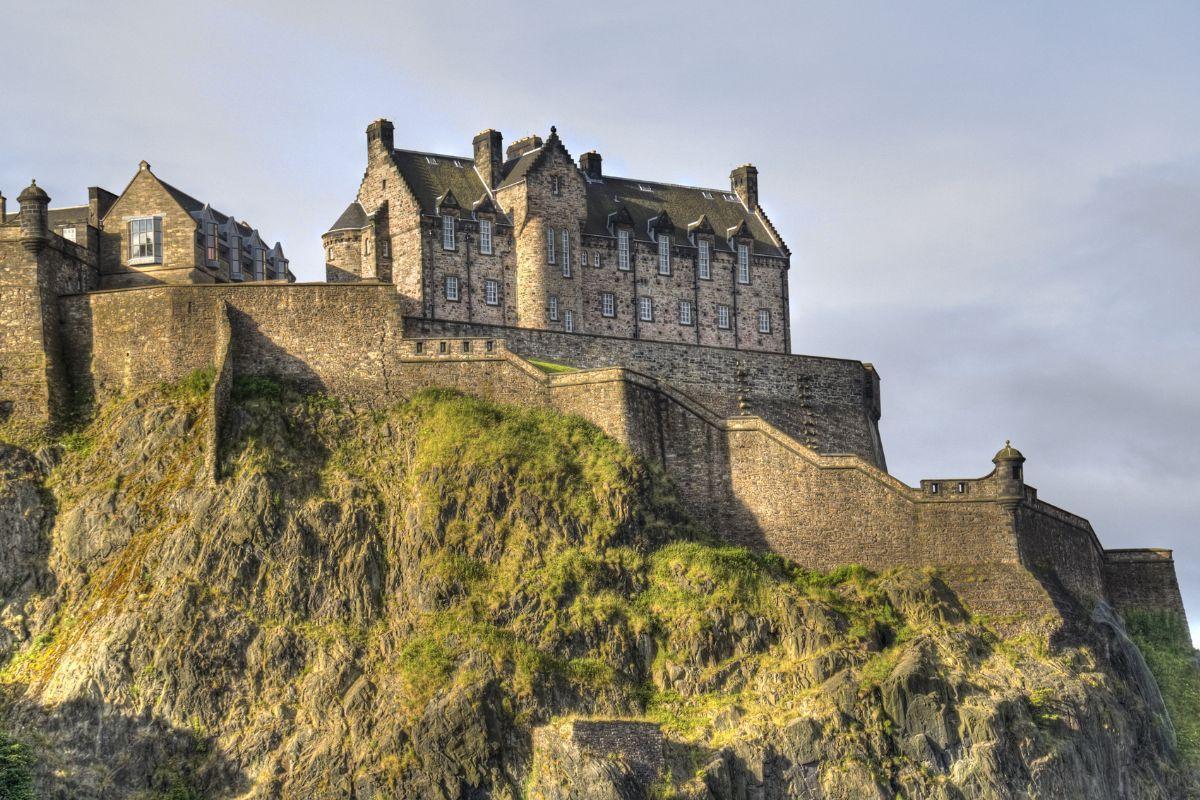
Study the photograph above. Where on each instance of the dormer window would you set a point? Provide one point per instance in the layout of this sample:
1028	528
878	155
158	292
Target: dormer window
743	262
664	254
281	269
145	240
707	195
431	160
485	236
448	240
549	245
235	256
623	250
556	185
566	254
260	264
705	259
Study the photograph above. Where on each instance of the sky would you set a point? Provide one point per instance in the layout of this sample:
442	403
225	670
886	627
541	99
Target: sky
996	204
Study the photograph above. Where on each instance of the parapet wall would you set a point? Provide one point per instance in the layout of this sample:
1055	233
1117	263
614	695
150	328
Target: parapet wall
1142	580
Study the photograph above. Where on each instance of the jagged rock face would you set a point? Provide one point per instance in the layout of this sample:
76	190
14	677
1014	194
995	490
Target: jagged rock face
386	604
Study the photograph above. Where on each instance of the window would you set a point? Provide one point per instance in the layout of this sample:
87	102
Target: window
68	234
723	317
491	293
705	259
281	268
645	309
447	232
452	287
596	259
764	321
962	487
664	254
260	264
145	240
934	488
553	307
643	187
385	248
685	312
328	254
568	321
485	236
730	198
608	304
549	245
743	263
555	185
385	184
623	250
235	256
566	254
430	160
707	195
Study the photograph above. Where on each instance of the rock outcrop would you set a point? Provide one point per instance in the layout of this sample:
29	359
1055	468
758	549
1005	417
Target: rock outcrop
379	604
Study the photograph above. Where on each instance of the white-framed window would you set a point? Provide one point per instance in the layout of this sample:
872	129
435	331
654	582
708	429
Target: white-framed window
743	263
385	248
685	312
145	240
608	304
491	292
448	239
723	317
646	309
452	287
552	306
566	253
596	259
764	320
210	243
235	256
260	264
664	254
556	184
485	236
705	259
549	245
623	250
568	321
68	234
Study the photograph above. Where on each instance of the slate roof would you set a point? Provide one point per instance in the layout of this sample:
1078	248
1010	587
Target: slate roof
56	217
353	218
683	204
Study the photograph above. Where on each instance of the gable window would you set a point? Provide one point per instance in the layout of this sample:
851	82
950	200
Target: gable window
68	234
705	259
623	250
485	236
608	304
596	259
646	309
568	321
764	321
549	245
491	293
566	254
685	312
452	287
553	308
145	240
723	317
555	185
743	263
664	254
447	232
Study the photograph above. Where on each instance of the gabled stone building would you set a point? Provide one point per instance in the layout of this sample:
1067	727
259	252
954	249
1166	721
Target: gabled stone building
526	237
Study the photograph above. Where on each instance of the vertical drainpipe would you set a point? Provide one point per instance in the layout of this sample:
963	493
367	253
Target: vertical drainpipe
696	290
470	295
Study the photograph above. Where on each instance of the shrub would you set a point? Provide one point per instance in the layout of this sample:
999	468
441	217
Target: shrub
256	387
1164	641
16	780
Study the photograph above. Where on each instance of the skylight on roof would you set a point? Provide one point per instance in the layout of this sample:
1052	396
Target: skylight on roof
707	195
730	198
643	187
458	163
430	160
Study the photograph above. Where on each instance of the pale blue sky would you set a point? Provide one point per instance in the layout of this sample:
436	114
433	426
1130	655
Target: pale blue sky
998	204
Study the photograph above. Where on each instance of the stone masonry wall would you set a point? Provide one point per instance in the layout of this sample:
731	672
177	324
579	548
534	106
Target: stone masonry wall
1142	580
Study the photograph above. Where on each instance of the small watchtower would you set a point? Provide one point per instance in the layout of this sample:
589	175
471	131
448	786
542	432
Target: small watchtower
1010	471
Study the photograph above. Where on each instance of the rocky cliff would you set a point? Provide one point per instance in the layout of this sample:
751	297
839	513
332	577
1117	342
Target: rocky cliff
380	604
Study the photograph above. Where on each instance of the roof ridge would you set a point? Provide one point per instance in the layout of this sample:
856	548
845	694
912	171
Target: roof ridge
666	183
435	155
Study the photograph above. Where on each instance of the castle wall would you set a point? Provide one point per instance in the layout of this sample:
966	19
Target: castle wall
1054	539
1142	580
829	404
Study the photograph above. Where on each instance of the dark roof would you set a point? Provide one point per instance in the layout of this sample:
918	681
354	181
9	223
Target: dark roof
353	218
430	181
683	204
184	199
73	215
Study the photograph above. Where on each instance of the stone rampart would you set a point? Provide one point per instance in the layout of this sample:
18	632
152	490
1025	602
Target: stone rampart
1142	579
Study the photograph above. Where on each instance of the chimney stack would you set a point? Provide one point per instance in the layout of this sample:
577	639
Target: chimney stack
3	208
744	183
379	136
489	156
35	229
589	162
523	145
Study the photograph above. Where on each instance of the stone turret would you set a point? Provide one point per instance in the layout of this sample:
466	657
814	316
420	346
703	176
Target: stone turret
380	136
1010	471
35	229
489	156
744	183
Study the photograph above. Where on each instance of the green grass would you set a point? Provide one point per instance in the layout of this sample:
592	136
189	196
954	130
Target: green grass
1163	640
16	765
551	367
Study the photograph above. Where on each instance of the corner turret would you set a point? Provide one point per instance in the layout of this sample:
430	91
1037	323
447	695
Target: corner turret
1010	470
35	230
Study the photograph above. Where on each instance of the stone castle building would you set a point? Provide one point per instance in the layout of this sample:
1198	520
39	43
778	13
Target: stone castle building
666	308
526	237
